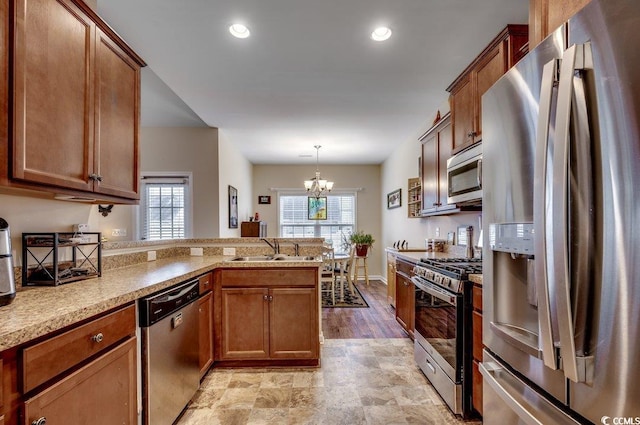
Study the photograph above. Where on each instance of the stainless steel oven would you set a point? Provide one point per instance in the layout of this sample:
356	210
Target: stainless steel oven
464	176
443	327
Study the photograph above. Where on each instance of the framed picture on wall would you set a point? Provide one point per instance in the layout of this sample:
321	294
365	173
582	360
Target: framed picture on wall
264	199
394	199
233	207
317	208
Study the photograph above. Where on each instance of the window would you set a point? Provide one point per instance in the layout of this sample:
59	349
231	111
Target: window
293	221
165	207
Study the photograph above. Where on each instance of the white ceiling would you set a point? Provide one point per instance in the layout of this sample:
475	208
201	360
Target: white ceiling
309	74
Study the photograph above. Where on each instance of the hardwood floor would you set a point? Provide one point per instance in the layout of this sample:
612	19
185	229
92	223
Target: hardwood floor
377	321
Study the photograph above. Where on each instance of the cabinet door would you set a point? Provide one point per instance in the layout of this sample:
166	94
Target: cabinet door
52	121
445	149
245	323
488	72
205	331
430	173
293	323
463	113
117	111
102	392
404	303
391	279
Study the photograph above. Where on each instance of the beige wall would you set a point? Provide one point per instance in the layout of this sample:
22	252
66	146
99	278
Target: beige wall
369	198
396	170
188	149
235	170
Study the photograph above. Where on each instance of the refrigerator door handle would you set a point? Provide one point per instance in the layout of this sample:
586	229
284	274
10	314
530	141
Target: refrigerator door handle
541	205
575	369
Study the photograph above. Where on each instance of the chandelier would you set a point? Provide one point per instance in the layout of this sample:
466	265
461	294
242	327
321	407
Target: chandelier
317	186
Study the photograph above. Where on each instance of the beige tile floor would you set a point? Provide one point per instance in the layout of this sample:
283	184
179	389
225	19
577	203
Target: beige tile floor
361	381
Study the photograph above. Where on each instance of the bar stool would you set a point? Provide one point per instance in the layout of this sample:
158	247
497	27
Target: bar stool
360	263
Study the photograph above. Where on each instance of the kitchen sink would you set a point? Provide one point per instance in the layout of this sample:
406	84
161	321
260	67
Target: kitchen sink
253	258
277	257
294	258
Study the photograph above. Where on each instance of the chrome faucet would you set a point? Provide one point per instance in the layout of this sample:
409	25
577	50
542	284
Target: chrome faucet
296	249
275	245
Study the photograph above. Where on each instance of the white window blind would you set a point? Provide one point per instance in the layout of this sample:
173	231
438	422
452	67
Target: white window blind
293	218
165	207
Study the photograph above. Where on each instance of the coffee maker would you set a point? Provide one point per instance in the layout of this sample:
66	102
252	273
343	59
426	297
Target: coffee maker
7	280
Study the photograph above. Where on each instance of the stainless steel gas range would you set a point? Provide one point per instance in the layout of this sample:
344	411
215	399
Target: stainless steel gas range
443	327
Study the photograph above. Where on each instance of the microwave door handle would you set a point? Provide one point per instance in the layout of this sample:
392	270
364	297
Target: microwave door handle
541	205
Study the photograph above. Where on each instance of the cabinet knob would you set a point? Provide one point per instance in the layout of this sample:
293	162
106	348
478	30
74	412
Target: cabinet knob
99	178
265	297
93	176
40	421
472	134
97	337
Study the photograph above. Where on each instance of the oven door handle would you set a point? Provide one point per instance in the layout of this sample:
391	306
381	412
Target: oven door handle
450	299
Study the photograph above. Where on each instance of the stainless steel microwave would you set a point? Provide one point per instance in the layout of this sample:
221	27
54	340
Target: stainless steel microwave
464	176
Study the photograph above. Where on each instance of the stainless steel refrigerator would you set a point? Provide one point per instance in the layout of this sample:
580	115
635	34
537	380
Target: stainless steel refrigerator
561	213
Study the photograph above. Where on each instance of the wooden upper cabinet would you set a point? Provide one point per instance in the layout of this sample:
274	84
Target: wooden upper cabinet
53	98
547	15
76	103
117	113
437	147
466	91
463	112
430	198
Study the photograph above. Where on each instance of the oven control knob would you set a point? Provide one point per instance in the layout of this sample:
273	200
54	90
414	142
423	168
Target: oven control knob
445	281
437	279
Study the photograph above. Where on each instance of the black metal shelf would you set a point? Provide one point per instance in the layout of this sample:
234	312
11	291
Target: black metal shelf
56	258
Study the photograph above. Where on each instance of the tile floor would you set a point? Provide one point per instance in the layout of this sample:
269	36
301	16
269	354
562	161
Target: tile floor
361	381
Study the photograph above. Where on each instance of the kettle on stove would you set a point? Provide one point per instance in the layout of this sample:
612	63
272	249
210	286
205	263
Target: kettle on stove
7	280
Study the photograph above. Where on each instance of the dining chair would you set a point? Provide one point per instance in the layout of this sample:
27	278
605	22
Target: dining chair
327	274
343	269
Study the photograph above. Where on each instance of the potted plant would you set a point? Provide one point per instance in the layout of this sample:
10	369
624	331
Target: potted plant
362	241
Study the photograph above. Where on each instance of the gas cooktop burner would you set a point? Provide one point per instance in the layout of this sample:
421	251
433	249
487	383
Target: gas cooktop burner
458	268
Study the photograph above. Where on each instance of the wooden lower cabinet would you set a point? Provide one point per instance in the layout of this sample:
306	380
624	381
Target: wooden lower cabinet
276	321
476	325
205	330
405	297
245	323
391	279
102	392
476	389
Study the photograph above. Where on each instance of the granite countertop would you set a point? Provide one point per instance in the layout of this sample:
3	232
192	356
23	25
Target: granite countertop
476	278
37	311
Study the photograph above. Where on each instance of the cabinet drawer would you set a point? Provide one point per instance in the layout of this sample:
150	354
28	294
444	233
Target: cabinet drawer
477	297
477	335
49	358
262	277
205	282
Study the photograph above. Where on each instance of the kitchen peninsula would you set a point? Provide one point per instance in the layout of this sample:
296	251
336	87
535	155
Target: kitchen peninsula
56	342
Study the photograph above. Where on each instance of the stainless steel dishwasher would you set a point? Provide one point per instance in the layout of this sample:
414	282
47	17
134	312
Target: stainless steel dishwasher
170	370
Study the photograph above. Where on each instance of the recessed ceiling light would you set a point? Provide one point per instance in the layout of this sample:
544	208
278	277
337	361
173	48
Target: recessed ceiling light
381	34
239	31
